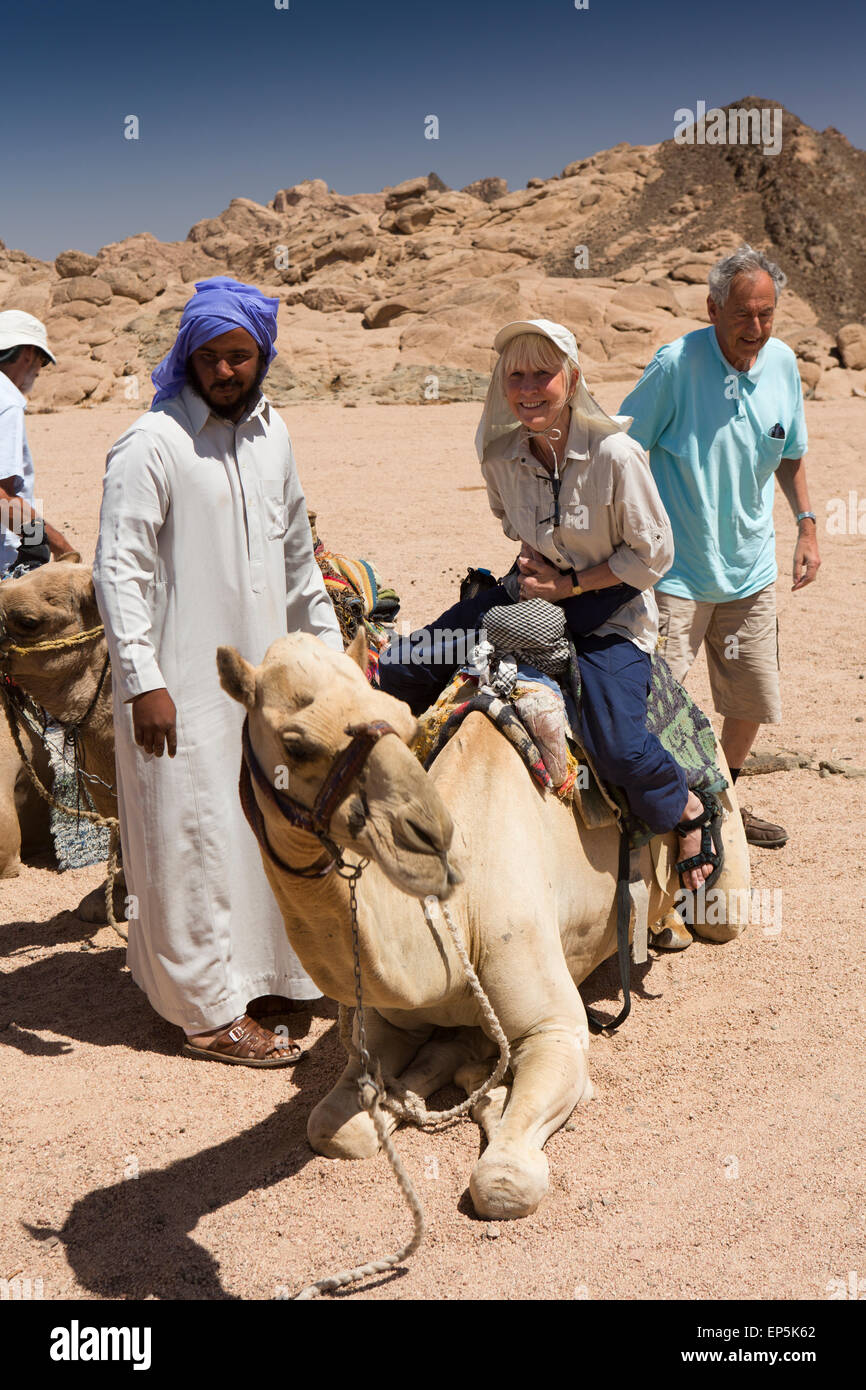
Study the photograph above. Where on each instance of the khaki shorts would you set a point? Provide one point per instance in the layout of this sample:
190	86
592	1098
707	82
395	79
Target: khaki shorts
742	642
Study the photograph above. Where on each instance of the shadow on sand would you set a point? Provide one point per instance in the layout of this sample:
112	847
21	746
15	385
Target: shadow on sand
132	1239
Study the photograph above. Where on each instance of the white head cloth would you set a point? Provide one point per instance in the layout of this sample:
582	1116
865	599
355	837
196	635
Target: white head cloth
497	418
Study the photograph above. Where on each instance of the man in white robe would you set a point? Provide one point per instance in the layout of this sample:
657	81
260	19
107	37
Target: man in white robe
203	540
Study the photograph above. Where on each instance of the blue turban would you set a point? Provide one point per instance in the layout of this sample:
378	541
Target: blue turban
217	306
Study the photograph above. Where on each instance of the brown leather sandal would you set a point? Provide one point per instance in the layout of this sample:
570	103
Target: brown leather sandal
245	1043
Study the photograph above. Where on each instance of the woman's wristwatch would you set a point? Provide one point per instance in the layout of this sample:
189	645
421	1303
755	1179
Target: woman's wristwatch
806	516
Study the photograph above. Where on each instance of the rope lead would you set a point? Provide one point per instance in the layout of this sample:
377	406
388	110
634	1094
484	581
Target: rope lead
370	1092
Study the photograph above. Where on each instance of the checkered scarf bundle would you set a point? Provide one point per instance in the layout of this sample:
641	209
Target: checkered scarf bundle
533	631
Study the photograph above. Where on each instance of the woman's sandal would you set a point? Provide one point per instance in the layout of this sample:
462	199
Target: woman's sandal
247	1044
710	824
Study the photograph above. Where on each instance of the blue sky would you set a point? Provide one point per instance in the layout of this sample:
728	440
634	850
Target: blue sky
240	99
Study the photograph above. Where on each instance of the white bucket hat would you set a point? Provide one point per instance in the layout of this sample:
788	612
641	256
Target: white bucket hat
497	418
18	329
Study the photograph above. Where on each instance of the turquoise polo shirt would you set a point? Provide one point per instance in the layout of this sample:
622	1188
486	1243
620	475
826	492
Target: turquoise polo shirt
709	432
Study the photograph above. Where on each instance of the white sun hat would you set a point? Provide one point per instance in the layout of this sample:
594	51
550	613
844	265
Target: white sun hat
18	329
498	419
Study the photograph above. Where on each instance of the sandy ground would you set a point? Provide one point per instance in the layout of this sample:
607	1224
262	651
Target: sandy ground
722	1156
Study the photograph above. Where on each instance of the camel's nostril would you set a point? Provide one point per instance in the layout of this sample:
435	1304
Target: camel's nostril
414	836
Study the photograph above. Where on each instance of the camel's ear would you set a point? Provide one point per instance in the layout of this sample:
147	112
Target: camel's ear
357	649
237	677
69	557
88	594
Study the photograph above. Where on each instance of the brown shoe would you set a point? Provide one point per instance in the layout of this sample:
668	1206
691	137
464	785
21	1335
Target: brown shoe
763	832
247	1044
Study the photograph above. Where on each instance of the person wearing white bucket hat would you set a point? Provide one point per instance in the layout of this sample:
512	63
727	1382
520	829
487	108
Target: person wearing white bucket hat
24	351
567	481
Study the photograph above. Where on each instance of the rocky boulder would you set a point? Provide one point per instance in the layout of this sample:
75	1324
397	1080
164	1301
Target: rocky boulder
132	286
82	288
383	312
70	263
851	342
332	299
412	189
407	218
487	190
311	190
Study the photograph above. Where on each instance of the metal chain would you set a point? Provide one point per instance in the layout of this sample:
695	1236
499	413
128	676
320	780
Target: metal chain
363	1051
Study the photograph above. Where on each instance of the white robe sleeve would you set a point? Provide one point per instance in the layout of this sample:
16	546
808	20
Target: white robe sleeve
135	500
12	449
308	607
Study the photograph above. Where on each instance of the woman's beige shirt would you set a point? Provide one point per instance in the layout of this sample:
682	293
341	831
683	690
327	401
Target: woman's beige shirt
610	510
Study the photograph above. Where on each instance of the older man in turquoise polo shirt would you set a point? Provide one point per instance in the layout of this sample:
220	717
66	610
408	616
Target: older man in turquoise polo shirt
720	411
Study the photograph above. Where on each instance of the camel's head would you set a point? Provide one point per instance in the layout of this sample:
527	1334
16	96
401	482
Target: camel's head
53	601
300	702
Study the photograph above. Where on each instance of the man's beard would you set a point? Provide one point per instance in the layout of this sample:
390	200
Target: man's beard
228	409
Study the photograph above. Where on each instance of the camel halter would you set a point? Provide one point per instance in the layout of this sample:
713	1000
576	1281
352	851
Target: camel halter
54	644
345	767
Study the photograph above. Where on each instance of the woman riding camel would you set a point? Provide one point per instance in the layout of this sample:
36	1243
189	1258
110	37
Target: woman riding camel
566	481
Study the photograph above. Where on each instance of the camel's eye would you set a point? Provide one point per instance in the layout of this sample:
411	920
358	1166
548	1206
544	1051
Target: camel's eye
298	747
24	621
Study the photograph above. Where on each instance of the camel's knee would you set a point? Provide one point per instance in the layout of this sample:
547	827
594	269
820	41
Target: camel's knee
338	1127
508	1181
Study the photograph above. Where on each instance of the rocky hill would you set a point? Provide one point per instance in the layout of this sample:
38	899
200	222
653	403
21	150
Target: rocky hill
396	296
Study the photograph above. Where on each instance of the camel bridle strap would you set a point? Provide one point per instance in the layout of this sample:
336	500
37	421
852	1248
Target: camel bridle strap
256	822
80	723
53	644
316	820
56	644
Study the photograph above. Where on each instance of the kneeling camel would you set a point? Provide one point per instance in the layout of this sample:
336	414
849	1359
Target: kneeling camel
535	907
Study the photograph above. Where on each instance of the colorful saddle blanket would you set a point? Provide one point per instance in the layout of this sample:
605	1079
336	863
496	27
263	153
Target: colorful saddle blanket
359	597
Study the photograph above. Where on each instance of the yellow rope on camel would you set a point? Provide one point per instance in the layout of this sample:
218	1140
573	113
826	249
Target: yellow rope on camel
55	644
